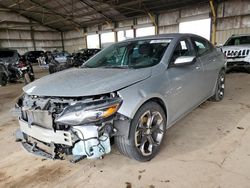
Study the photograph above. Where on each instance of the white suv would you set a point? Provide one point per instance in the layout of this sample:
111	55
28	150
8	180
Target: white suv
237	51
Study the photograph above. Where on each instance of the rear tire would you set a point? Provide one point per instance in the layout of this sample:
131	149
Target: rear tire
220	87
147	130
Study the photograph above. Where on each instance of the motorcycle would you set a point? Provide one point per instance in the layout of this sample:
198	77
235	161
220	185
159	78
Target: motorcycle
26	69
12	72
4	75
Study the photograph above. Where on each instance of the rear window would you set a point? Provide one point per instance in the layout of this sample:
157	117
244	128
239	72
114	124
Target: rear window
238	41
201	46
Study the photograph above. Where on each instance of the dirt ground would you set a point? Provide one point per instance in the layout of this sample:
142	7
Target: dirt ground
208	148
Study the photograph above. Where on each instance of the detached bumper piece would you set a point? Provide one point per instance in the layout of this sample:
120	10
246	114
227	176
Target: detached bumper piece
32	146
37	151
34	149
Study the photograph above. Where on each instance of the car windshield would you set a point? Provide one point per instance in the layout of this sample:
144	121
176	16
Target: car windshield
130	54
238	41
6	54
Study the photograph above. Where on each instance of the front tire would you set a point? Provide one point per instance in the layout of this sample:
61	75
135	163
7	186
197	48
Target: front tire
220	87
147	131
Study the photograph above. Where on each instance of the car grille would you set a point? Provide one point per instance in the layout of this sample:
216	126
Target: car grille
236	53
38	117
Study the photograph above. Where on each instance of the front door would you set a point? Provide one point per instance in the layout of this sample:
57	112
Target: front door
185	82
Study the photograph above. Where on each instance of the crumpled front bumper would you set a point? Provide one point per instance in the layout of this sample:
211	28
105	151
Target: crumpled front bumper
46	135
89	144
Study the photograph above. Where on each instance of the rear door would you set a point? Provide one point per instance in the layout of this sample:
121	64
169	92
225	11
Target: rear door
185	82
207	56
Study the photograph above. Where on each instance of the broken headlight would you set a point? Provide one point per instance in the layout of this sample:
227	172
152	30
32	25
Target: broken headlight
81	113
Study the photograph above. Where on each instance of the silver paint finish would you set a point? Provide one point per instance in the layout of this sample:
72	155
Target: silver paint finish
180	88
78	82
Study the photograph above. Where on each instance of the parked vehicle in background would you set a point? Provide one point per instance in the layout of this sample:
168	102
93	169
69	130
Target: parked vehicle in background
61	57
8	56
237	52
9	60
63	60
82	56
59	61
14	67
32	56
26	70
4	75
131	91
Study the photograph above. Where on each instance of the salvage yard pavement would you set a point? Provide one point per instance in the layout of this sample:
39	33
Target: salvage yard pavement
208	148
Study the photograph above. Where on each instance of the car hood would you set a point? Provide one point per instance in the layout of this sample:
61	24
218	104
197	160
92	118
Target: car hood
78	82
236	47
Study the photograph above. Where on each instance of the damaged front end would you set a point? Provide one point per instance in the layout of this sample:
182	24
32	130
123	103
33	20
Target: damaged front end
73	128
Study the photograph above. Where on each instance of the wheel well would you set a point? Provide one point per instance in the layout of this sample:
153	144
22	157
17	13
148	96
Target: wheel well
160	102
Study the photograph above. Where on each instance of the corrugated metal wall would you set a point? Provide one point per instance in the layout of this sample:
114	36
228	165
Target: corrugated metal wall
233	18
19	36
74	40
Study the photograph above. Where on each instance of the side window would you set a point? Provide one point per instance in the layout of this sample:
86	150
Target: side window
201	46
182	49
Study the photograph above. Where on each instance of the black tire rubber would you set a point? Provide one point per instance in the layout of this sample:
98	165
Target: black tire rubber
216	97
248	70
3	80
126	146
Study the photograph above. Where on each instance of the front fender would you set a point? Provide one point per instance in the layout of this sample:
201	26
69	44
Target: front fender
134	96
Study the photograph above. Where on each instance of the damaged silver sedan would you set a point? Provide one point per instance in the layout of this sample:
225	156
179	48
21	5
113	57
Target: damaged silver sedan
128	94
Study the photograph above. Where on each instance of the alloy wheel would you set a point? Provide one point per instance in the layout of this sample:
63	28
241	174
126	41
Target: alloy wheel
221	85
149	132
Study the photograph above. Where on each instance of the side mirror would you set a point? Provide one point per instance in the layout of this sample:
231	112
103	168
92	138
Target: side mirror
184	60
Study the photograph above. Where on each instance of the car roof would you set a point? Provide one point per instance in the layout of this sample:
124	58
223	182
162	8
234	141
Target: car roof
161	36
240	35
